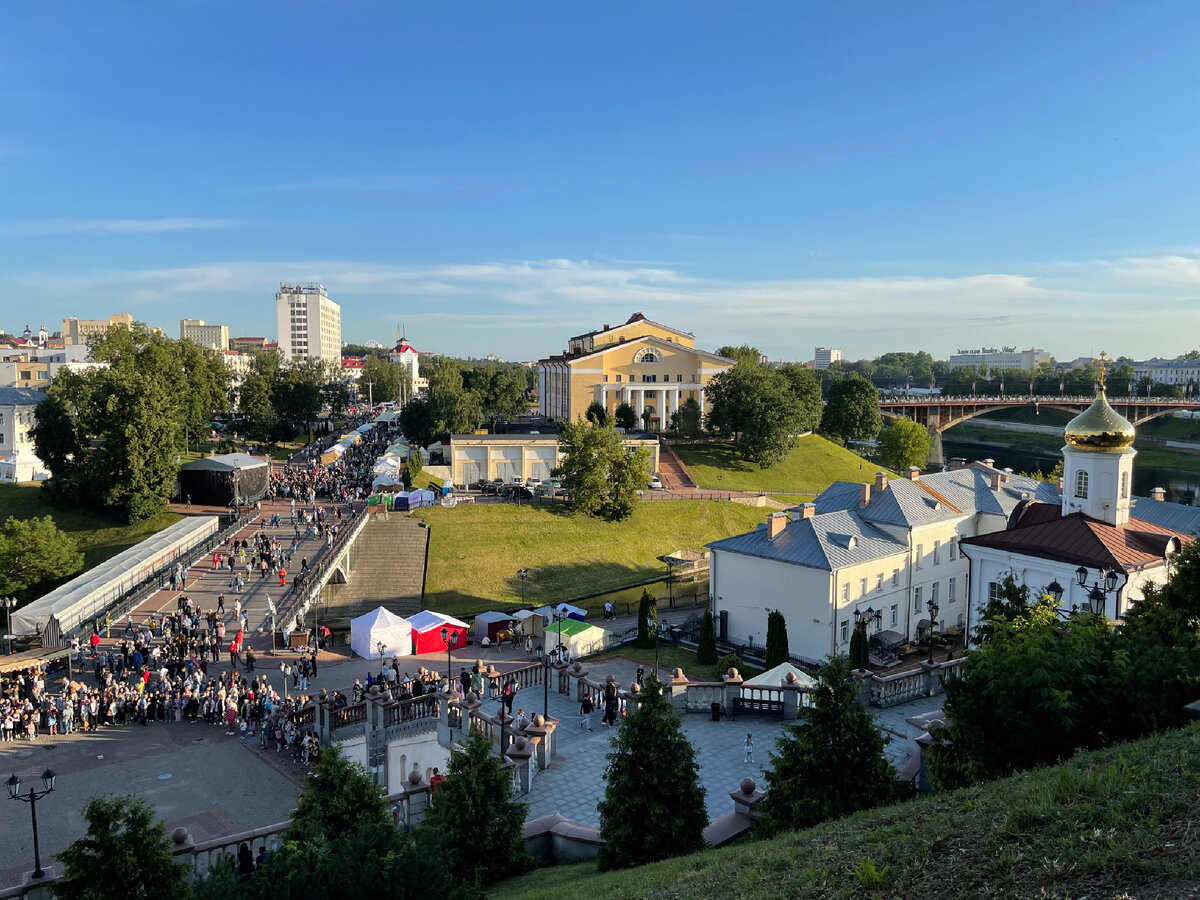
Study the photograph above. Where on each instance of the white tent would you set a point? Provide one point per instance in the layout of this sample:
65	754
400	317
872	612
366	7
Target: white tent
489	622
563	609
579	638
380	627
779	676
529	622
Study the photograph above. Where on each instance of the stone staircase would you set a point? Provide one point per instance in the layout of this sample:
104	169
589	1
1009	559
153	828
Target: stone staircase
387	569
671	469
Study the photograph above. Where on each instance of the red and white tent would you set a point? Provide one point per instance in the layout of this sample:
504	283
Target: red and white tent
427	628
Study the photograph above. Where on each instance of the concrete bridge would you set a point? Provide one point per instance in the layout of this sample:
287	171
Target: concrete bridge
938	413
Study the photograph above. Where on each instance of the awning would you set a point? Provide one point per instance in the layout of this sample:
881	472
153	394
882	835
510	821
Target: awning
888	639
32	658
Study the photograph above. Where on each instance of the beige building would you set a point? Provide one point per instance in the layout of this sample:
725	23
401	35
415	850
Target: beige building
310	324
18	460
79	331
214	337
487	457
650	366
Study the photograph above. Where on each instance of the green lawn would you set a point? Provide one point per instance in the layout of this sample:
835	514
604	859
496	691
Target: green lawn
99	537
811	467
475	550
1106	824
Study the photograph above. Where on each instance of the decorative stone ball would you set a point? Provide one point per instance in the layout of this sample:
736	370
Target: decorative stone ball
471	697
374	690
678	673
733	673
791	678
609	679
179	836
414	777
538	721
521	742
748	785
578	667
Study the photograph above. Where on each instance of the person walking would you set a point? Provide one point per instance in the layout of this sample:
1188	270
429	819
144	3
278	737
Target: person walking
749	748
585	712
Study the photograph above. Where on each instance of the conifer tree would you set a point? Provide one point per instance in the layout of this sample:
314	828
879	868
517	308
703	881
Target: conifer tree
706	649
831	763
647	620
653	804
777	639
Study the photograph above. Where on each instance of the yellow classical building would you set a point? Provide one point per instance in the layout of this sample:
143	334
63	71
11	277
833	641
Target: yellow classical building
648	365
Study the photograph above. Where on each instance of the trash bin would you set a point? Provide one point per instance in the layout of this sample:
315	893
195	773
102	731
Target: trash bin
716	712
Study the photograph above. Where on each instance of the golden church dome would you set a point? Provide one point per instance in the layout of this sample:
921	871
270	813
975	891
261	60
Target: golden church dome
1099	427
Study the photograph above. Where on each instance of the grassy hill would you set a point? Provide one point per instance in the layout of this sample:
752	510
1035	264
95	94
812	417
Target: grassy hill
1118	823
812	466
476	549
99	537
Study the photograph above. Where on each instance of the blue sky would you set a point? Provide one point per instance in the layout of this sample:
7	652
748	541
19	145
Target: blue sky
499	176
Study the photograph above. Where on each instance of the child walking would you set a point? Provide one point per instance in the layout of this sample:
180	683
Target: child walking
749	748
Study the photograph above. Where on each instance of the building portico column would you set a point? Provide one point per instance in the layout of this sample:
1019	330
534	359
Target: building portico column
701	401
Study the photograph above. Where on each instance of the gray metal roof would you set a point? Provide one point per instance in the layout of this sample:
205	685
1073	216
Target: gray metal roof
224	463
824	541
14	396
1175	516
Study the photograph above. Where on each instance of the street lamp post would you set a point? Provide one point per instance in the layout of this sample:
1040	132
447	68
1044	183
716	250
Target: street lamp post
14	792
862	620
450	639
1096	596
286	671
522	574
237	492
657	633
671	581
934	609
545	686
9	603
558	617
501	728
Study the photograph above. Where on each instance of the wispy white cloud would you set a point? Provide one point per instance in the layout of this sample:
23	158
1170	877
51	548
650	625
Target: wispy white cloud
51	227
1137	305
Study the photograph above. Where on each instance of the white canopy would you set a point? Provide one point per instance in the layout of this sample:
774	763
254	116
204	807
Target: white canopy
380	627
386	480
529	622
581	640
484	619
779	676
563	609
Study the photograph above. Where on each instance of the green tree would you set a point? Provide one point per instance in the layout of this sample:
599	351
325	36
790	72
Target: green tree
625	417
806	388
706	648
499	388
859	649
383	380
125	853
653	806
831	763
476	815
416	420
743	354
596	413
454	409
851	412
340	797
33	551
904	443
757	409
254	402
647	620
689	421
601	475
777	639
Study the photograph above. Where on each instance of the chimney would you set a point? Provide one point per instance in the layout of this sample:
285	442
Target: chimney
1060	487
956	463
990	463
880	481
808	510
864	494
914	473
995	481
1007	475
776	522
1158	494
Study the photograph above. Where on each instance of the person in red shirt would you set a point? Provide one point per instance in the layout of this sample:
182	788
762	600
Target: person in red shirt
95	639
283	577
435	779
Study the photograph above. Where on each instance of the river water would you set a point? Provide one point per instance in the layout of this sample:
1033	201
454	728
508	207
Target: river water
1181	484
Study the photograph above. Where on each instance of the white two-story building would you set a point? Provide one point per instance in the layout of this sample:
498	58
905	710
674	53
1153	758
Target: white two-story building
18	461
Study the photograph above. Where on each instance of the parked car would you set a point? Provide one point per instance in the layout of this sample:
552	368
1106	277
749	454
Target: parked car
517	479
489	489
656	482
533	483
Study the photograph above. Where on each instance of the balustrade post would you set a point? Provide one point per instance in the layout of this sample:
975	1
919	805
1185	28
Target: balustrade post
733	690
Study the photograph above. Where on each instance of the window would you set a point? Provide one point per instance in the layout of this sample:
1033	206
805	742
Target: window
993	591
937	553
916	599
618	379
895	614
950	591
845	631
679	377
1124	476
933	592
693	378
953	550
960	620
846	592
605	377
879	582
917	556
895	578
649	378
1081	485
648	356
862	587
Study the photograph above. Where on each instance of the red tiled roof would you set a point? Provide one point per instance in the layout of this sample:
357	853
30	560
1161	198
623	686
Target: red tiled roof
1041	530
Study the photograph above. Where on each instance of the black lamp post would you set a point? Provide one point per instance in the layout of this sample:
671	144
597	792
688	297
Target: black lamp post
502	728
861	621
545	686
8	603
934	609
1096	596
450	639
657	633
14	792
1055	590
522	574
558	617
671	581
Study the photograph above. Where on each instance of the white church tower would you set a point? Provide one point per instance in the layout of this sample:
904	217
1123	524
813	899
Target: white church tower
1098	461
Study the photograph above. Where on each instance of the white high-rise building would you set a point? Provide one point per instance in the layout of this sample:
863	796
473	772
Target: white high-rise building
824	357
310	324
214	337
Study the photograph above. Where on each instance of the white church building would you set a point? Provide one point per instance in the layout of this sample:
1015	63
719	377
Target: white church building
894	549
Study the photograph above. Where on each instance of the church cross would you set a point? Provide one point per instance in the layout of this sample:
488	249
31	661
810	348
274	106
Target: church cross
1103	364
